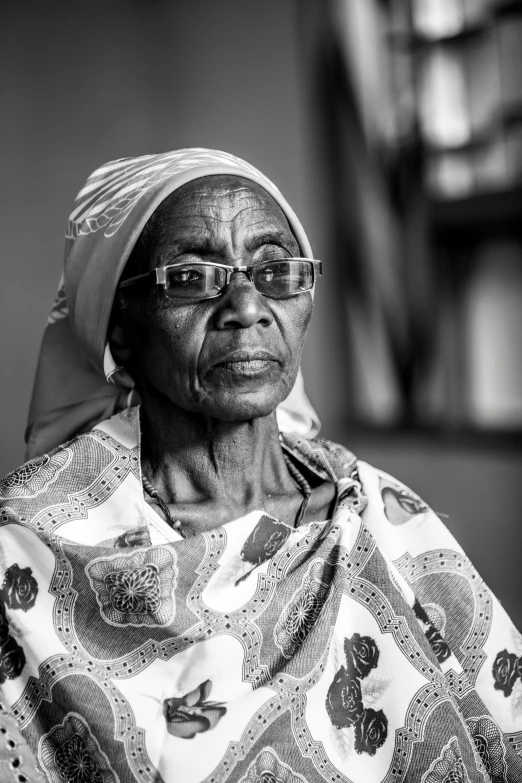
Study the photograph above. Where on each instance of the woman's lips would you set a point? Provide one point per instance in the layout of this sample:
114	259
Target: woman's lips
248	368
247	364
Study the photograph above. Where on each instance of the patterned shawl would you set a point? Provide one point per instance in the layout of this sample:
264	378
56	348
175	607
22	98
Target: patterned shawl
365	648
77	382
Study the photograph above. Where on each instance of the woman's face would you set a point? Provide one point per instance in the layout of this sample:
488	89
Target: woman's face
232	358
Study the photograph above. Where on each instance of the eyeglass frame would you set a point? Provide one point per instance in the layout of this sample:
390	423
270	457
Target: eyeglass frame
161	276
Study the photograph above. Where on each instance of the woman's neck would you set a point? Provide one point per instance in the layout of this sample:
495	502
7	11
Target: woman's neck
190	458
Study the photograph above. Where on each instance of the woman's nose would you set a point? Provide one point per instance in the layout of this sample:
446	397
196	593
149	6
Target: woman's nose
242	305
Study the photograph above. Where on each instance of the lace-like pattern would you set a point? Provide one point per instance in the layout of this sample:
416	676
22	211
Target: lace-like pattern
135	589
70	753
22	476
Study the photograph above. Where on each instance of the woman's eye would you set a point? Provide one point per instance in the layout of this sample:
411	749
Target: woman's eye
273	273
184	276
267	275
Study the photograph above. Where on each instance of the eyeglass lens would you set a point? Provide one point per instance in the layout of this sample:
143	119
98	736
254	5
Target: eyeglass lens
275	279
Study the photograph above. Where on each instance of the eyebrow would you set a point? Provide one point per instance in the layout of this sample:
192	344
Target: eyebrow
205	244
272	237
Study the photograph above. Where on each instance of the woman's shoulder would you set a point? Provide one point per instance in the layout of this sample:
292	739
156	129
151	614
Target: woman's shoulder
69	467
31	477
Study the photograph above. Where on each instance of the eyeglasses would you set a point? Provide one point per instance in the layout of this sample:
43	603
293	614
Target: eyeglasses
278	279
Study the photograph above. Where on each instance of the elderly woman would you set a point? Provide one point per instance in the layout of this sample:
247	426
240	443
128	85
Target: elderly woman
194	588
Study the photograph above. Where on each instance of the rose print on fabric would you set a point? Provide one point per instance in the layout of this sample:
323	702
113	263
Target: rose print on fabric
344	700
71	754
506	670
448	767
192	713
12	657
490	746
265	540
362	655
400	504
300	614
437	642
19	588
506	673
135	589
371	731
267	767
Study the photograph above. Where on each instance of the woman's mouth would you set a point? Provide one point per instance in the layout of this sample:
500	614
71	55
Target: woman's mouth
247	368
247	364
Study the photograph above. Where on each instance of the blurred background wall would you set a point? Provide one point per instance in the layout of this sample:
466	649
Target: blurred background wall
395	139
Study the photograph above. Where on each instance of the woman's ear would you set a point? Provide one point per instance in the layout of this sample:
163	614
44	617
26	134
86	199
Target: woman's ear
118	343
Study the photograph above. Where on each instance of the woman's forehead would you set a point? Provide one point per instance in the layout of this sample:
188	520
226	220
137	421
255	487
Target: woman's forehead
214	204
221	193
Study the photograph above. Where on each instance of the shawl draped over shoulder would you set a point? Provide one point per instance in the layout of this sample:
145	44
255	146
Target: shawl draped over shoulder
365	648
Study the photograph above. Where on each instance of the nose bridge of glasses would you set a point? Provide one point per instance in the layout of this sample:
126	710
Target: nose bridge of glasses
248	271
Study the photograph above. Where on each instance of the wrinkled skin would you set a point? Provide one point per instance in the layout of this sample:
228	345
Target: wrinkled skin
177	347
210	440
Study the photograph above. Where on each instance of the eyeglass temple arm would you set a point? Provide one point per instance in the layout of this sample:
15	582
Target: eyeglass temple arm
159	273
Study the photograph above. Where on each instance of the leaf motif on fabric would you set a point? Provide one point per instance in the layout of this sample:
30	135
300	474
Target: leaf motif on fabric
231	573
516	639
343	741
373	689
516	700
337	652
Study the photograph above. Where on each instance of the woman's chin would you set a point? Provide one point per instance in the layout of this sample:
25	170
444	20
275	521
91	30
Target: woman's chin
244	406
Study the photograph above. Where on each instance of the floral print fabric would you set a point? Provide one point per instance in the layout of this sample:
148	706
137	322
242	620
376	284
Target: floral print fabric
364	649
